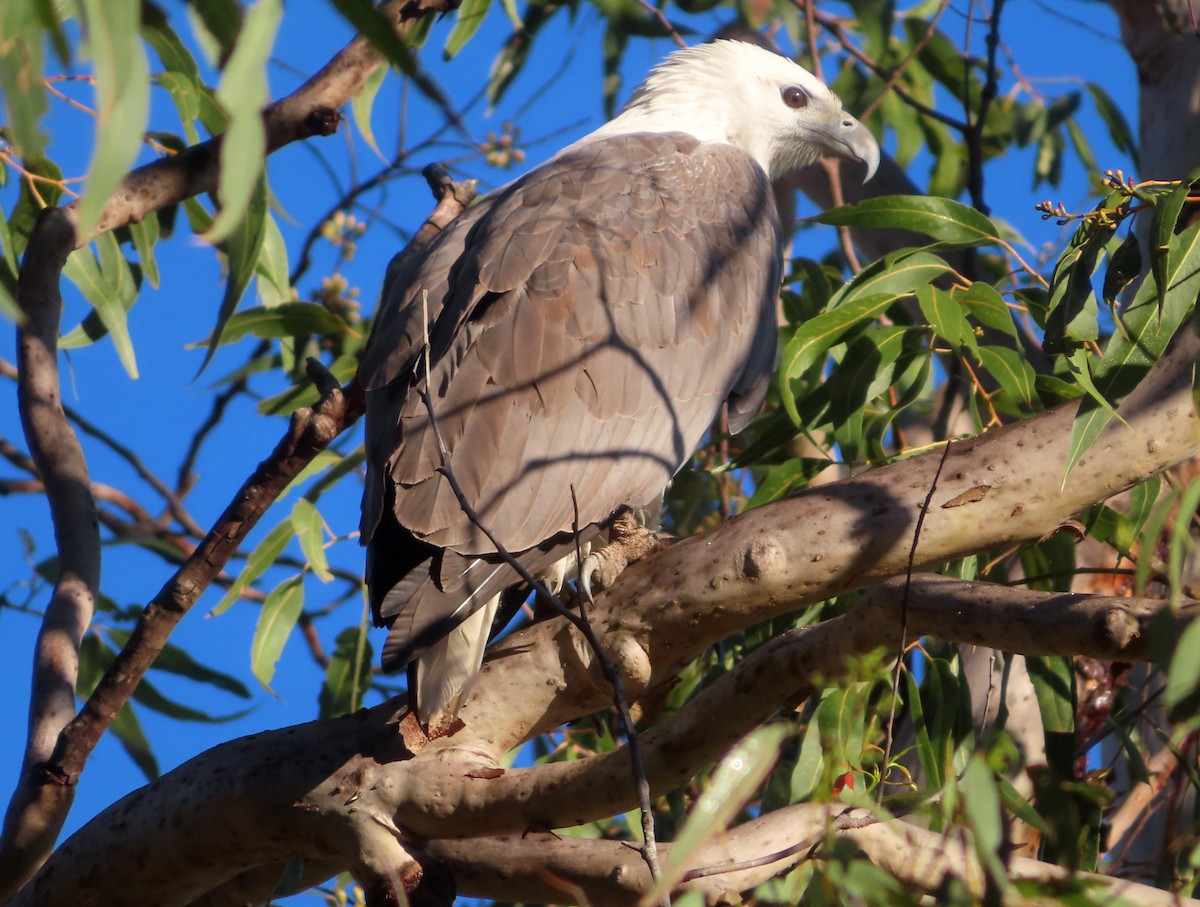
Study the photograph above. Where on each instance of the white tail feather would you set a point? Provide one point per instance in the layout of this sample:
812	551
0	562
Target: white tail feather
446	670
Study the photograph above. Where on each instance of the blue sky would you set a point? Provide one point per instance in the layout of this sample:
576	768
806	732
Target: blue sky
158	413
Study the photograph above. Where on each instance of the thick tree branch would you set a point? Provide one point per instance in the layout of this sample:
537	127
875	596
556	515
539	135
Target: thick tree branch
543	868
334	784
787	668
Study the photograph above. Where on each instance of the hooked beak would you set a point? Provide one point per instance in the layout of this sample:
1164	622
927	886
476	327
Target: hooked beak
850	140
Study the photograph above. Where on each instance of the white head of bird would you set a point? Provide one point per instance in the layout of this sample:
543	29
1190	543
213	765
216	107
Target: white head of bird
740	94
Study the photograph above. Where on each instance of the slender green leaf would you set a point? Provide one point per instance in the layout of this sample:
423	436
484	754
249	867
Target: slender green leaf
290	319
1183	679
242	247
310	531
950	223
363	104
145	235
470	16
152	698
809	764
927	756
981	800
1114	119
174	660
1018	805
786	478
1054	685
1162	232
172	52
186	93
1012	372
122	101
1143	331
279	614
23	93
817	335
946	316
263	556
220	21
243	93
95	655
108	284
733	783
348	675
989	308
274	282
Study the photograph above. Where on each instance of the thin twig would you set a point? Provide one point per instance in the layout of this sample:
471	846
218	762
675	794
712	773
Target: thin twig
613	675
908	575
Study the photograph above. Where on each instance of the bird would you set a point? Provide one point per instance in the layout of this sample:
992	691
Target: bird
562	347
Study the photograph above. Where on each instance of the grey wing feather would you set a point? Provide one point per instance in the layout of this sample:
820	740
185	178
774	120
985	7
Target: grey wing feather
586	325
561	289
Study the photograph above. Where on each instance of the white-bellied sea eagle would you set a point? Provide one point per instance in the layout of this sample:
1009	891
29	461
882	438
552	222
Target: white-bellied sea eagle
585	325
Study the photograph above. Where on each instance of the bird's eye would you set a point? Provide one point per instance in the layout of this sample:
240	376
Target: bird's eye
795	97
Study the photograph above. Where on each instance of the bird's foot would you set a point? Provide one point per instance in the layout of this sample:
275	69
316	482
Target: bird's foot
628	541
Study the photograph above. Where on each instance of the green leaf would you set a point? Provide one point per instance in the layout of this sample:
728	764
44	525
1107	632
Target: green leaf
1162	233
512	57
1053	680
945	315
981	801
279	614
989	308
898	274
786	478
274	281
952	224
243	93
348	675
1073	313
109	286
733	783
363	103
927	756
1124	266
174	660
290	319
172	52
122	102
21	74
809	763
1114	119
145	235
95	656
221	20
8	273
1012	372
152	698
470	16
376	28
1018	805
1143	330
817	335
1183	680
186	93
306	394
310	531
242	247
263	556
